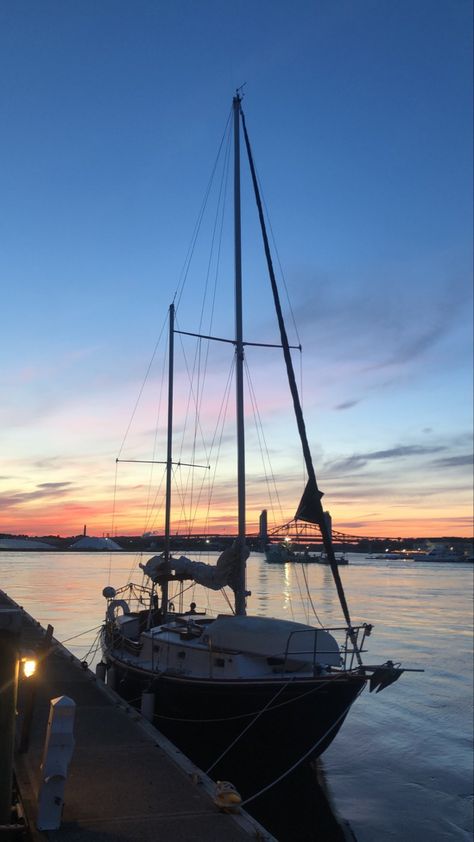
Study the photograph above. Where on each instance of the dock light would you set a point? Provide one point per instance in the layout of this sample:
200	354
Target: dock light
28	666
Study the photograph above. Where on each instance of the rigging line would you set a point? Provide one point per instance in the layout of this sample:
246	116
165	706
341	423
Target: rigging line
221	419
191	396
200	364
155	440
74	636
211	478
133	568
267	216
303	602
114	502
309	597
181	593
187	262
312	486
263	453
253	398
221	415
214	229
223	195
142	387
303	758
239	736
219	247
151	523
94	646
181	496
226	597
198	354
304	472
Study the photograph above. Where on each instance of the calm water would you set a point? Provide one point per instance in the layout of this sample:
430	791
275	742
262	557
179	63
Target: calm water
402	766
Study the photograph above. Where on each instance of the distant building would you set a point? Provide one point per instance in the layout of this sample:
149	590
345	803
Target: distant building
88	543
23	544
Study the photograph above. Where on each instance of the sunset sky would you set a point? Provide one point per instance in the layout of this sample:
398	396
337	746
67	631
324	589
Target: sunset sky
360	116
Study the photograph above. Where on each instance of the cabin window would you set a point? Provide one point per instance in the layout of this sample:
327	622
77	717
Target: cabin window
219	662
156	648
181	654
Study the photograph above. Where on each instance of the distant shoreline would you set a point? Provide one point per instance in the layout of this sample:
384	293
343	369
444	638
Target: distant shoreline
217	543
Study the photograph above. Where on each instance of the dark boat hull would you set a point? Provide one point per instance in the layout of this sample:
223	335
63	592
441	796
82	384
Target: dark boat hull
265	728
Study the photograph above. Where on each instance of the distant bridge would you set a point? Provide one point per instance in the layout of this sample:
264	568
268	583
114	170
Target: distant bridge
297	532
309	533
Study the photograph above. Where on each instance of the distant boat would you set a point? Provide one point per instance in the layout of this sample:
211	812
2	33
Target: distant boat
284	553
445	555
280	553
322	558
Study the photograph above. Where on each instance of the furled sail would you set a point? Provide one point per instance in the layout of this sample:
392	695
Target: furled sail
213	576
309	508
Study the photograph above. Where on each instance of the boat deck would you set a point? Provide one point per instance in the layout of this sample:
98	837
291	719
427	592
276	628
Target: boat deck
126	781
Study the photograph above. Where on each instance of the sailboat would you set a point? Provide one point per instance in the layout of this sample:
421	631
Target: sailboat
248	698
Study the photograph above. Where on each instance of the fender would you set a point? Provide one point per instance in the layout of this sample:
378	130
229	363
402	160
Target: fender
116	603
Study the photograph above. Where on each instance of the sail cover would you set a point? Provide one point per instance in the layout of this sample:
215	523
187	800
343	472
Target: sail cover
310	509
213	576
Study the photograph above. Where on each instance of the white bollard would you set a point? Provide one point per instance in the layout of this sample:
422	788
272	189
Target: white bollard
112	678
101	671
57	754
148	705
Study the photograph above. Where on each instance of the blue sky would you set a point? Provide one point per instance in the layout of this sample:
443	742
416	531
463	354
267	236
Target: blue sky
360	115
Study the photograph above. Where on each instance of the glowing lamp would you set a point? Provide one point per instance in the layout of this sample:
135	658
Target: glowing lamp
28	666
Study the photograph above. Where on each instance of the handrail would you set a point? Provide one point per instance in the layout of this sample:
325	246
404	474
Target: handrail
345	651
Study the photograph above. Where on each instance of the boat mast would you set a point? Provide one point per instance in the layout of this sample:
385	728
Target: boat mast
312	491
169	464
239	354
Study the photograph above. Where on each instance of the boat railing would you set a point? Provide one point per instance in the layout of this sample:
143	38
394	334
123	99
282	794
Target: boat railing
142	598
137	596
354	639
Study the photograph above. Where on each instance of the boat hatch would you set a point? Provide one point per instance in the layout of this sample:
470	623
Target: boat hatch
128	625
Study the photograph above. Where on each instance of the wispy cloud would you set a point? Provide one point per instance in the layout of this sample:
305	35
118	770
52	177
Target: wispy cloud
43	490
360	460
454	461
387	322
54	486
346	405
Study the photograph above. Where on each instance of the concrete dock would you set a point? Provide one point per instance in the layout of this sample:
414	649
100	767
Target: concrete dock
125	781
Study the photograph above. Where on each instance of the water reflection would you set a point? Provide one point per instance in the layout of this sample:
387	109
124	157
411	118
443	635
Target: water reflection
404	753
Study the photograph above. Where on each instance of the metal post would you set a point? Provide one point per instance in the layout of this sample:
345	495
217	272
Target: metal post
148	705
169	463
239	367
10	624
57	755
28	709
